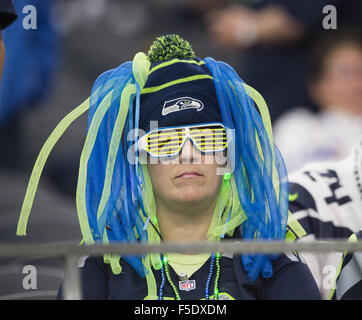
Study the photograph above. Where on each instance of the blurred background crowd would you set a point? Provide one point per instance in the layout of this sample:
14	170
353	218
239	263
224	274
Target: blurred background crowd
310	77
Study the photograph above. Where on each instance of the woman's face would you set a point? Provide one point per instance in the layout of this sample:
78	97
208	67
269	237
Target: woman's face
189	178
341	84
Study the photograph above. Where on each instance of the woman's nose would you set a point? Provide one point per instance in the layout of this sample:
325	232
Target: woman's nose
189	153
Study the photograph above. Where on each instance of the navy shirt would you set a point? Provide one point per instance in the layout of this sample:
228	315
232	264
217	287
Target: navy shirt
291	280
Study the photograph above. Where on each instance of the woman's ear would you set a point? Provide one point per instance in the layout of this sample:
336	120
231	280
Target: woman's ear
225	166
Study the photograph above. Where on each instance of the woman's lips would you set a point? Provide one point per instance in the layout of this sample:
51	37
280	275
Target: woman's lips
189	174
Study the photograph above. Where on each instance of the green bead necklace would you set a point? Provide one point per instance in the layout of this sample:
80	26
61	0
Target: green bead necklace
165	271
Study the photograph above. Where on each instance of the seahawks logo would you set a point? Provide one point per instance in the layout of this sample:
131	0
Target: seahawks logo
182	103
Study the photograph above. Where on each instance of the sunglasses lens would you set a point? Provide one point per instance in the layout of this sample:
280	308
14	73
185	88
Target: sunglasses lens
165	142
209	139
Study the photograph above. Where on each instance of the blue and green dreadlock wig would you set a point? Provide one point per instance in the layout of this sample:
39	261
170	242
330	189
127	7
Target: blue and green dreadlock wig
115	201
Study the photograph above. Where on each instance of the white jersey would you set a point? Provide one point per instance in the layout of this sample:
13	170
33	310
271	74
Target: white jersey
328	205
304	137
349	281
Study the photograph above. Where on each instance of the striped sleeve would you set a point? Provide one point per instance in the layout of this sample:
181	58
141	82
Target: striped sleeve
316	221
349	279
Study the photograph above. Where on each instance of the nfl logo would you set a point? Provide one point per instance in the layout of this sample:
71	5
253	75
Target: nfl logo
187	285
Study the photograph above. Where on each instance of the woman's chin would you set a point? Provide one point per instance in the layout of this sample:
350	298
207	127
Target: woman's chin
191	195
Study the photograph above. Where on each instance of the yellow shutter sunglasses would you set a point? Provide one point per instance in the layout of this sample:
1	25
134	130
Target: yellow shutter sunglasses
168	142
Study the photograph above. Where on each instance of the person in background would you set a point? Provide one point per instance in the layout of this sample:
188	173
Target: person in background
326	199
28	64
335	84
32	58
273	38
7	16
349	278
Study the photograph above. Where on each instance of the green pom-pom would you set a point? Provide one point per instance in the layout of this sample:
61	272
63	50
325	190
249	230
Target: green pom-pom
168	47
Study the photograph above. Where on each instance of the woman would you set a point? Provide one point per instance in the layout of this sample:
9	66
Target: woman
335	86
177	150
